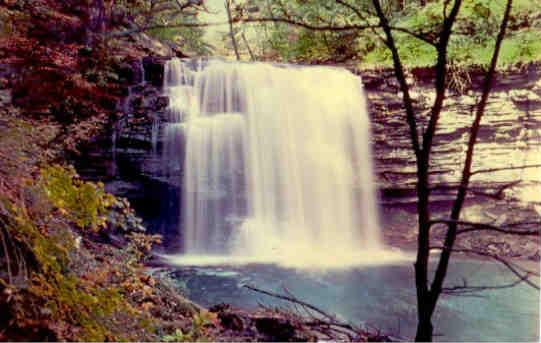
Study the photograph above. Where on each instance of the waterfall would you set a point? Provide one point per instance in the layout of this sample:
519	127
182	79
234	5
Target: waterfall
276	160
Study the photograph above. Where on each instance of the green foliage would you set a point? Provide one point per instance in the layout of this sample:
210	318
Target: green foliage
53	291
524	47
122	217
413	53
190	39
56	283
177	336
473	40
86	306
85	203
471	44
294	44
168	18
196	332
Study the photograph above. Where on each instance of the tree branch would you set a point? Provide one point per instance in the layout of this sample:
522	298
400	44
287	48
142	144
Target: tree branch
419	35
293	300
329	320
228	4
355	10
287	19
450	237
473	226
492	170
440	86
465	289
308	25
511	266
400	75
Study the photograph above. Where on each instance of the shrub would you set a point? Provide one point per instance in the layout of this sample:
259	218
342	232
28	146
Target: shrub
85	203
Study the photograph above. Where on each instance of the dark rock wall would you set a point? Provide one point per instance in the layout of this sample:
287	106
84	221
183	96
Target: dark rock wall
126	158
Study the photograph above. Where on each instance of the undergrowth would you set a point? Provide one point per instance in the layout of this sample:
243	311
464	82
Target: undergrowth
474	35
56	281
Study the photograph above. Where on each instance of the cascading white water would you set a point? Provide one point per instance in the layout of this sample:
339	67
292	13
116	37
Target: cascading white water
277	160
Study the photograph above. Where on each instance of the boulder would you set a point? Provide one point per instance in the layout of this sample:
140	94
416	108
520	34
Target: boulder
231	321
275	329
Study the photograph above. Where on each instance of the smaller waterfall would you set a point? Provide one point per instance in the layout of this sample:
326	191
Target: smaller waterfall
276	162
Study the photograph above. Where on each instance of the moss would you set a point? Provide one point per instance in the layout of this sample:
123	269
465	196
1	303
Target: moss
82	304
99	310
61	294
65	286
83	202
56	281
197	332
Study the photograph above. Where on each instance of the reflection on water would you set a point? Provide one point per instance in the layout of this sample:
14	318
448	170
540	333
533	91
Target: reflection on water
382	297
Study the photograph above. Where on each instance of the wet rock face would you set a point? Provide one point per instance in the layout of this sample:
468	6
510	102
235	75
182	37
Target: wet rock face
154	69
124	157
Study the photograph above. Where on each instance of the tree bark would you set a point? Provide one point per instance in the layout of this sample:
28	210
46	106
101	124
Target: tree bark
424	330
252	56
450	237
231	32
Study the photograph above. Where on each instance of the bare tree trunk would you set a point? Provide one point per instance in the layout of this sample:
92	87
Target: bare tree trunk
424	329
450	237
425	307
252	56
231	32
427	297
421	264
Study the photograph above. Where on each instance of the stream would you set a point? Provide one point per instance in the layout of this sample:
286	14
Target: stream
381	297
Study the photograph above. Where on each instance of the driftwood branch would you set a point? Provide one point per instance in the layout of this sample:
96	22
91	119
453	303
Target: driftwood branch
465	289
292	299
522	274
328	319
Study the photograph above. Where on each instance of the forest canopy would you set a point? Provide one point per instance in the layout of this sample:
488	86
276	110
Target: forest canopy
418	22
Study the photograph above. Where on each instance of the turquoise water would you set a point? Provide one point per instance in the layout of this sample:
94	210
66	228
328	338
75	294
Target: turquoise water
381	297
